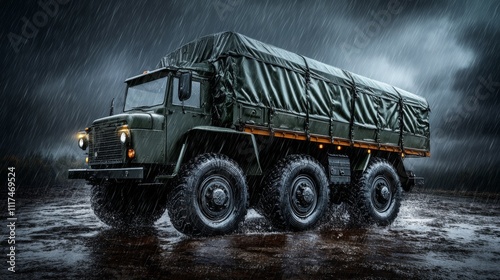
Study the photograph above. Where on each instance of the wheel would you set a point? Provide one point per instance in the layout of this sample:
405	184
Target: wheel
376	195
295	194
209	196
128	205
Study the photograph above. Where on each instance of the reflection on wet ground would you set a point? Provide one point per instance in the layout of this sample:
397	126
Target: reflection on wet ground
433	237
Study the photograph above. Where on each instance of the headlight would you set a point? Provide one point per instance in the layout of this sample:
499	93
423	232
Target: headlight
123	137
81	143
83	140
124	134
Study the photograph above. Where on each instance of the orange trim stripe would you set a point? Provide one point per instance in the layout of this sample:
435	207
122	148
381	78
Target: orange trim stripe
336	141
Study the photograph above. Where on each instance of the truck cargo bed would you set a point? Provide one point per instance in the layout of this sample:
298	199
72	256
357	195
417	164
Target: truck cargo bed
267	90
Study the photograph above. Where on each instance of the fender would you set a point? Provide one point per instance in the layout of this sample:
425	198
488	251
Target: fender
362	162
238	145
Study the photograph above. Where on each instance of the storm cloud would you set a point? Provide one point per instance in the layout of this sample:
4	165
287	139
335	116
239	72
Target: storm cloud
57	81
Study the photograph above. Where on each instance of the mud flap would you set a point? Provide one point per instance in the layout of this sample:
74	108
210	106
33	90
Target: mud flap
413	181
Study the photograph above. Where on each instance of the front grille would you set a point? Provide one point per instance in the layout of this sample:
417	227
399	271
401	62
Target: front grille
105	146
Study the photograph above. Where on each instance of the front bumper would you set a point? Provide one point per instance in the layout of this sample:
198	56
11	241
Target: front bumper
132	173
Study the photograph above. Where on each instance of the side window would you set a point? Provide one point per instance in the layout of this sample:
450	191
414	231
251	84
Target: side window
193	101
175	92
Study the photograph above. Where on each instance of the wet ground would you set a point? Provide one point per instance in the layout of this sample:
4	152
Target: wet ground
434	237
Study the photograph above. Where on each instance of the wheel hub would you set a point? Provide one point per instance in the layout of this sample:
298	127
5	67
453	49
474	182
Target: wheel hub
305	195
381	194
382	191
385	192
214	198
219	197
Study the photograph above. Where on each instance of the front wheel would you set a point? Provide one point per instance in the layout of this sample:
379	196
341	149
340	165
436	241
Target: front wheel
376	194
128	205
209	197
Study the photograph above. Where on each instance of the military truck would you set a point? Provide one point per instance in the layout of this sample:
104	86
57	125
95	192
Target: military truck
227	122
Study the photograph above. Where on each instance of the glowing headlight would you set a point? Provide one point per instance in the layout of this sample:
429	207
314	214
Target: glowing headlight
123	137
124	134
81	143
83	140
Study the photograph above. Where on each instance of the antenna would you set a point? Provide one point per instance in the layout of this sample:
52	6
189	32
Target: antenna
112	107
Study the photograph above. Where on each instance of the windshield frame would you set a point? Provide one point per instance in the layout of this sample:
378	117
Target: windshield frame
145	79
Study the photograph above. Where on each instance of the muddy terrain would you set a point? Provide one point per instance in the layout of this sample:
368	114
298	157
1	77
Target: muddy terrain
434	237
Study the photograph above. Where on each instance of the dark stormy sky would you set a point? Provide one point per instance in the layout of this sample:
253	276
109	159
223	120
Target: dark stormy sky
62	64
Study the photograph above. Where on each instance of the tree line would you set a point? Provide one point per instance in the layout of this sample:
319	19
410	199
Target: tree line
35	170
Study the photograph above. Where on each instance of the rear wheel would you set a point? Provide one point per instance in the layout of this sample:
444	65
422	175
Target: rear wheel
128	205
209	196
295	195
376	194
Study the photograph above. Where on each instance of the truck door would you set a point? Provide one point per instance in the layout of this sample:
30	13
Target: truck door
183	115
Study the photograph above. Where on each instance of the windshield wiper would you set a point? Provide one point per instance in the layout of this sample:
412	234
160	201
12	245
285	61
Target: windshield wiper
141	108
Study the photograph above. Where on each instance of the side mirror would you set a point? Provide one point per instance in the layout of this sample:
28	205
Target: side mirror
185	86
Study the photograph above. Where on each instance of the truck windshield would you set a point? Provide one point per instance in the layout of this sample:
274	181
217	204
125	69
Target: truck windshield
147	94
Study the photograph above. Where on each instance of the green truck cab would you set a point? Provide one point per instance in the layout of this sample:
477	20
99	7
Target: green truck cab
226	122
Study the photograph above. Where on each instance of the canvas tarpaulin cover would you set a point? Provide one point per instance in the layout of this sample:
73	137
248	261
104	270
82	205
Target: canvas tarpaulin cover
259	84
